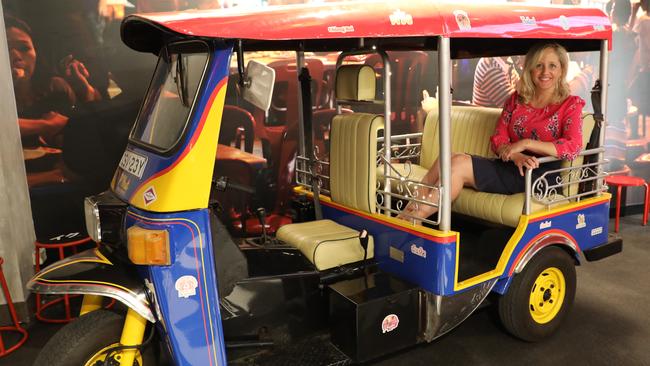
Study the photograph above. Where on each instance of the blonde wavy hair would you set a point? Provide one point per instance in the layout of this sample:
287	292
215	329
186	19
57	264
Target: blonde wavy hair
526	87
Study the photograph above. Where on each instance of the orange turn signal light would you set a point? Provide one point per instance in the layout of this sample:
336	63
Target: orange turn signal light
148	247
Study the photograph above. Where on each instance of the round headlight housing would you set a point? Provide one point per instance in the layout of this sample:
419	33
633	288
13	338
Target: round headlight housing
93	225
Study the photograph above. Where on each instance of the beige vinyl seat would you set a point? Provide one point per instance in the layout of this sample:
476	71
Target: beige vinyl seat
353	159
471	128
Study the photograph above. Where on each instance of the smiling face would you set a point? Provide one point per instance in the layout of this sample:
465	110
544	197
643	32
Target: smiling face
546	73
21	53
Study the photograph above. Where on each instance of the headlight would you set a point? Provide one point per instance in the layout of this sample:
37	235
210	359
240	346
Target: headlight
93	225
104	215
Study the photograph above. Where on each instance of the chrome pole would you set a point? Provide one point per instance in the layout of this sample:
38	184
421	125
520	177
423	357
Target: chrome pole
300	62
529	182
444	100
604	65
387	131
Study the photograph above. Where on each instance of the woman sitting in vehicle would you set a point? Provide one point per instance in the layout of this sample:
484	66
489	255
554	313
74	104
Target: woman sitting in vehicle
539	119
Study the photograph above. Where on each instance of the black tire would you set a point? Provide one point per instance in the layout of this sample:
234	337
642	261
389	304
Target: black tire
522	310
75	343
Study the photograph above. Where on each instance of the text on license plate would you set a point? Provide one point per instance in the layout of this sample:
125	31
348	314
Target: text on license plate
133	163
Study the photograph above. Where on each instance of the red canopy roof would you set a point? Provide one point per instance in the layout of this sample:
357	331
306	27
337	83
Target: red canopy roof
375	19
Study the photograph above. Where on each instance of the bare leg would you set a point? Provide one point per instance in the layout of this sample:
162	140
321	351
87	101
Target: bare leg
462	175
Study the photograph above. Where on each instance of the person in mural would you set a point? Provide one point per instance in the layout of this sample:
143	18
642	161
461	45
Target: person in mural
495	78
44	100
640	85
540	118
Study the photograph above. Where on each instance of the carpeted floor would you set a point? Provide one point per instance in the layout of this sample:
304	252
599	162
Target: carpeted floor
609	323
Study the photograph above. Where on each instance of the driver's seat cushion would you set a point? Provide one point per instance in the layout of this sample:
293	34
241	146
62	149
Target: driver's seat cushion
353	177
325	243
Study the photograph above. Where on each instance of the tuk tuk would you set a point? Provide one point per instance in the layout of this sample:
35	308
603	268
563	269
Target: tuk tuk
253	216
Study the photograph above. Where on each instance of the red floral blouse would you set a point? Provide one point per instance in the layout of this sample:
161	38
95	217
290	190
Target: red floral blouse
560	124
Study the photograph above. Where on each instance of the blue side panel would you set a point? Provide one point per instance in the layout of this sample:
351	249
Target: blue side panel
588	227
419	260
186	291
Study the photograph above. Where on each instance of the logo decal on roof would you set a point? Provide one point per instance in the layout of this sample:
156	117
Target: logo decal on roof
564	22
341	29
528	20
599	27
400	18
462	19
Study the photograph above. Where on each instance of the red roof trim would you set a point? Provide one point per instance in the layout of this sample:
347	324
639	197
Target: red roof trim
377	19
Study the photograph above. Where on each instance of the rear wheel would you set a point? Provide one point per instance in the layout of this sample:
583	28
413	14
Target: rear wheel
540	296
87	341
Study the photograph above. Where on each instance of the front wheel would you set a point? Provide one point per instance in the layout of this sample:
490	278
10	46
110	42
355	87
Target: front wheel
86	342
540	296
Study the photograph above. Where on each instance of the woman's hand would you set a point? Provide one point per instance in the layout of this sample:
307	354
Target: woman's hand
507	153
524	161
54	123
77	75
428	103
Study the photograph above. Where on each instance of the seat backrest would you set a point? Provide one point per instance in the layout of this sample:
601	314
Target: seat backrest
471	128
353	142
234	121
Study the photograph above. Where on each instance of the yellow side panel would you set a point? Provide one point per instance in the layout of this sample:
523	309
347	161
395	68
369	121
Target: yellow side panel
187	185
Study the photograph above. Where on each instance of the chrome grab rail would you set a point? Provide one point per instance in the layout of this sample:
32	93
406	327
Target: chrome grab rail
408	190
547	193
402	148
304	173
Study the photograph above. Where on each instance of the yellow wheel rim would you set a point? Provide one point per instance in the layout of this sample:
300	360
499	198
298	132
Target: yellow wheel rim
101	356
547	295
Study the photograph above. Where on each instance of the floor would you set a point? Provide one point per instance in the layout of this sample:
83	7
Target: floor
609	323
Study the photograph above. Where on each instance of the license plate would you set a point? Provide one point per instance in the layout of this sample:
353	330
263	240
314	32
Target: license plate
133	163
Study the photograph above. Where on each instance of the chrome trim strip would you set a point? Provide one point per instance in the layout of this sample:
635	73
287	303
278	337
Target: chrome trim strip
543	242
137	303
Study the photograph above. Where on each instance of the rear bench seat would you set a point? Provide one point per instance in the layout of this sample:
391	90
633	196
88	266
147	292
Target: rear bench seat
471	128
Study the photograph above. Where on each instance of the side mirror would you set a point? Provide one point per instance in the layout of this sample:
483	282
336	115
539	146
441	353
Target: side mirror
258	85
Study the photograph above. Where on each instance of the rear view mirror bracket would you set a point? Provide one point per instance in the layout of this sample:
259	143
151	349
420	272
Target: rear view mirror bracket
244	81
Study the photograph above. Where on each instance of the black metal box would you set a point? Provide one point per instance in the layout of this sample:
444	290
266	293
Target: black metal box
373	315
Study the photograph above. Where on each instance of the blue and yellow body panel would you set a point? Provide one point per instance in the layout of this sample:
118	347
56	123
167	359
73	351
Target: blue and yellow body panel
429	258
186	297
182	178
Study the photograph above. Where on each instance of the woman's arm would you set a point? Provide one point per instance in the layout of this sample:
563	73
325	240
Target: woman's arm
49	125
533	146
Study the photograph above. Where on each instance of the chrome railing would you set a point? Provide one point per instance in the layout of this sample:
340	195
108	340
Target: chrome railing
406	191
549	193
307	171
402	147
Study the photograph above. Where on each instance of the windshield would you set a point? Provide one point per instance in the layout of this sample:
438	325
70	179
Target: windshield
166	109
